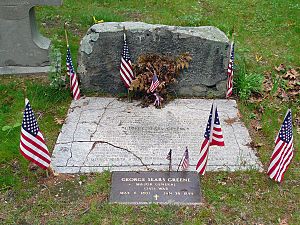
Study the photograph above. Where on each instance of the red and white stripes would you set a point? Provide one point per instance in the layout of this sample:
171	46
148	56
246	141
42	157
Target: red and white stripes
213	136
72	75
230	72
34	149
284	150
32	143
75	86
126	70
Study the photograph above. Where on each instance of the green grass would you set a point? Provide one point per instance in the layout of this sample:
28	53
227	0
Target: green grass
247	83
268	30
47	104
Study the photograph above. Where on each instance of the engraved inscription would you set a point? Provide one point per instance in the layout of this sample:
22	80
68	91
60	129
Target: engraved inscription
161	187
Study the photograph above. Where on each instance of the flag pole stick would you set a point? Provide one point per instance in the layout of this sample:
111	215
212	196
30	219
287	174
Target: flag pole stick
212	120
231	45
124	31
180	163
233	34
170	161
66	34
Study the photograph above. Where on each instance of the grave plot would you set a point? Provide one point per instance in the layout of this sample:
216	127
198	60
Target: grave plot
107	134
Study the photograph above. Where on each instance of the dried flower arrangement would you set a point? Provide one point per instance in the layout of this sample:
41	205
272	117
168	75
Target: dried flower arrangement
166	69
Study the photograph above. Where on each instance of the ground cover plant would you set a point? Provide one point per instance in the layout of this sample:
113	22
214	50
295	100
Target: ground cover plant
266	35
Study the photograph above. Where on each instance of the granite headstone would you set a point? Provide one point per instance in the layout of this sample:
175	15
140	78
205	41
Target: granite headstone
22	48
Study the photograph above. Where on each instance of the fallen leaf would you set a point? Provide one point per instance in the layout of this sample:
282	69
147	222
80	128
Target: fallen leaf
258	145
293	93
291	74
261	109
239	115
294	71
231	121
223	197
258	58
297	121
255	99
59	121
97	21
284	96
280	68
32	166
291	23
283	222
292	83
257	128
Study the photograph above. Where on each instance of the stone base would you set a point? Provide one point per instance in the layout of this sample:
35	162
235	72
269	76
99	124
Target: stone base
107	134
24	70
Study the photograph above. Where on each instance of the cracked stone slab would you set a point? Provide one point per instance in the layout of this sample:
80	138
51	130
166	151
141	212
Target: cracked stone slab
107	134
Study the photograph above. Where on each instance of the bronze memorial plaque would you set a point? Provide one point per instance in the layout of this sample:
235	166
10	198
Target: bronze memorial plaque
155	187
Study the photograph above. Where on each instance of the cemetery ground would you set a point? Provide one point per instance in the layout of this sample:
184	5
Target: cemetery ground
267	34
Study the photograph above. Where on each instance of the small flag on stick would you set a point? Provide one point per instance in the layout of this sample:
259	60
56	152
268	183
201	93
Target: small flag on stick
230	72
126	70
73	77
185	161
71	71
32	143
154	83
284	150
213	136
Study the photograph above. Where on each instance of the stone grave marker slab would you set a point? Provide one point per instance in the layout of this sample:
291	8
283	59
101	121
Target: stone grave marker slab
107	134
155	187
22	48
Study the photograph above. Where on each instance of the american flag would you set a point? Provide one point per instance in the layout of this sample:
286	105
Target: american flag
185	160
73	77
169	156
32	143
284	150
213	136
230	72
154	83
126	71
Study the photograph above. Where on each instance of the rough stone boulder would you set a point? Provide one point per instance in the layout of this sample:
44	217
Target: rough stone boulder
100	55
